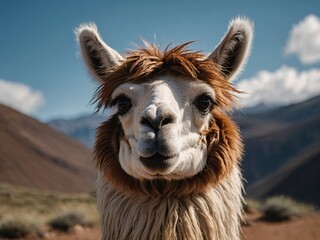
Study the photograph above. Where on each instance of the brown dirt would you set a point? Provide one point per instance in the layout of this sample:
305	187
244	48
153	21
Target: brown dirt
78	234
306	228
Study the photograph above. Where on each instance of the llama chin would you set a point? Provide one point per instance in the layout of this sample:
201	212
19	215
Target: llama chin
169	158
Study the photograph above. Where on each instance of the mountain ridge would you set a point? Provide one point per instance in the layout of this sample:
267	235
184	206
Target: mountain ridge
34	155
291	179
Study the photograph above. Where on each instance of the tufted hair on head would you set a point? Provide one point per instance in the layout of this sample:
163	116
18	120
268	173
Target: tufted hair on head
145	63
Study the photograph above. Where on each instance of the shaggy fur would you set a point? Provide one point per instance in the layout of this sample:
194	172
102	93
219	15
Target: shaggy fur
212	214
191	208
144	65
207	205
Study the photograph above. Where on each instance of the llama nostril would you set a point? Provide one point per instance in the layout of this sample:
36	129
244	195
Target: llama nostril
148	122
157	123
166	121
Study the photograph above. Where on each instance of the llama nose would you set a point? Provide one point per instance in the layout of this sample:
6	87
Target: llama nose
159	118
156	123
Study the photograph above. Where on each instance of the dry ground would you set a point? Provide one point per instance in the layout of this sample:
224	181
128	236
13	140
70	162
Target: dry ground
306	228
17	201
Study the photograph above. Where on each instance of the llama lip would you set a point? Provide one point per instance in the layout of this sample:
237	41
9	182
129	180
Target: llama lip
156	162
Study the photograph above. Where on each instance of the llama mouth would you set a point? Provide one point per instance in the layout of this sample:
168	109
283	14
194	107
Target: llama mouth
157	162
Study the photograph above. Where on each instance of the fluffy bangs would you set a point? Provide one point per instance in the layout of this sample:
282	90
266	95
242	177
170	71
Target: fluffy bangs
147	63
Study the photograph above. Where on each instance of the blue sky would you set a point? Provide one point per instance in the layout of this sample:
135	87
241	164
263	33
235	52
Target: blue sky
42	74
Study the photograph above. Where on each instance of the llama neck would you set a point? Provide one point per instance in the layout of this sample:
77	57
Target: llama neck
214	214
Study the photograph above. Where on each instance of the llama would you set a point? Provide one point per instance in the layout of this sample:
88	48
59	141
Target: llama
169	156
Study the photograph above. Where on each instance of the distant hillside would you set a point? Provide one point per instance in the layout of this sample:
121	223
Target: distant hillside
275	137
299	178
81	128
34	155
293	113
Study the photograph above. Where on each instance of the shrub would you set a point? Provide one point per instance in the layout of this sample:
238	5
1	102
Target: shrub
14	228
251	206
281	208
67	221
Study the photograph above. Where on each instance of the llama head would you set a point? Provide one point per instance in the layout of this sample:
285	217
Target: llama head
169	133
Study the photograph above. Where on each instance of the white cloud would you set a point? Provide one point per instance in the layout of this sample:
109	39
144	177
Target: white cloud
284	86
304	40
20	97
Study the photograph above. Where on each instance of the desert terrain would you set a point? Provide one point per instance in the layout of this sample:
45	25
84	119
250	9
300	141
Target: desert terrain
307	228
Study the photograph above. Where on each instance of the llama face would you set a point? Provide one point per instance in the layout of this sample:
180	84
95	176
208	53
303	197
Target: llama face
170	121
162	122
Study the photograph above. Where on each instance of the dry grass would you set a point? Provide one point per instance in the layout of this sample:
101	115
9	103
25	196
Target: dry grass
281	208
67	221
17	228
252	206
17	202
23	211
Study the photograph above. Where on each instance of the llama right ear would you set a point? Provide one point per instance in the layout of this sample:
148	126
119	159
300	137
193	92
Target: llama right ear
232	52
98	56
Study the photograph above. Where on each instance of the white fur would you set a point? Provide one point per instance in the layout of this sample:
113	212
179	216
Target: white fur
215	214
89	39
242	29
175	96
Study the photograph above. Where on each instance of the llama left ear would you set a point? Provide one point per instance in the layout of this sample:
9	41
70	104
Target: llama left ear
232	52
98	56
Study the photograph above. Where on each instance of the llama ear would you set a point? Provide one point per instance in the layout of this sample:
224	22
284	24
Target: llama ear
98	56
232	52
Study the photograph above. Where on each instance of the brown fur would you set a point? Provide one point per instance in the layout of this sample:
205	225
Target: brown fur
145	64
222	137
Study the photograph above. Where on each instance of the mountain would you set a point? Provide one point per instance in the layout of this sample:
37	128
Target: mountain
34	155
299	178
81	128
293	113
275	137
260	108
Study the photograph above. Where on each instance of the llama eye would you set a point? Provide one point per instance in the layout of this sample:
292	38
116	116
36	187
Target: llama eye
204	103
123	104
